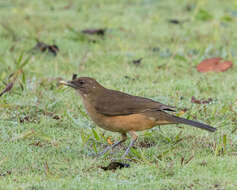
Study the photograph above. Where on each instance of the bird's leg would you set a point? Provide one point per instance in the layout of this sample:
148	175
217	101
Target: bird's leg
124	138
133	140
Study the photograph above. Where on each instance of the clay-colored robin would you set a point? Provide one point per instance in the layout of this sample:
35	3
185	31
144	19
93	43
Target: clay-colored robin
120	112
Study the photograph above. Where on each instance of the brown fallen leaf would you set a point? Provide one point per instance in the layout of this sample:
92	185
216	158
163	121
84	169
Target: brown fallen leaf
114	166
45	47
53	49
7	88
24	119
214	64
196	101
137	61
99	32
174	21
56	117
38	143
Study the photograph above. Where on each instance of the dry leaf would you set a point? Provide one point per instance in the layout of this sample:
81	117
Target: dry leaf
99	32
214	64
174	21
137	61
115	165
196	101
45	47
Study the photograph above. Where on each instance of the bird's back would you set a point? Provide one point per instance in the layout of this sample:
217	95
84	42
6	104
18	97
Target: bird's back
112	102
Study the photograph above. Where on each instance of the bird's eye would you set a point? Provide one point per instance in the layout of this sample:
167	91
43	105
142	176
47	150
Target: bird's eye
81	82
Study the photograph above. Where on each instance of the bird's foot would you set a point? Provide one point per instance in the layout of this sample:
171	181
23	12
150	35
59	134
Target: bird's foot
104	151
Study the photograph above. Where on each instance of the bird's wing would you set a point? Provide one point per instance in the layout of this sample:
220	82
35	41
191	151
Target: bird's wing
119	103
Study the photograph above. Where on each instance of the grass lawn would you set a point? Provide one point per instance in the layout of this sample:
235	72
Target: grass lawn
46	139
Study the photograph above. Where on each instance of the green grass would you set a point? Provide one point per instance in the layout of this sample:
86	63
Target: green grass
46	139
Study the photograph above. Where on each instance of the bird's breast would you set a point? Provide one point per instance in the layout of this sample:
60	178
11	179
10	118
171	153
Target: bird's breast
120	123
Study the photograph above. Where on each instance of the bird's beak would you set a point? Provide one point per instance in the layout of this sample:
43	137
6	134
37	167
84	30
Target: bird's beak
68	83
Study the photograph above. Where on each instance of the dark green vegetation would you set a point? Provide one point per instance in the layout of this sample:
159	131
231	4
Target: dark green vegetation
46	139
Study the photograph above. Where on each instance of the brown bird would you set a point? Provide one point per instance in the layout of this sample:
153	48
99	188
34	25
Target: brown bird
120	112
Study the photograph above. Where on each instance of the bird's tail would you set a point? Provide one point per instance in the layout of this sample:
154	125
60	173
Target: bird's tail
195	124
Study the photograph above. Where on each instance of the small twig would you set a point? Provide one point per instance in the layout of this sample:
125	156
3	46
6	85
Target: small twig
46	169
186	162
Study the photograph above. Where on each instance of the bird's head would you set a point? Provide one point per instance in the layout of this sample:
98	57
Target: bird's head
84	85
